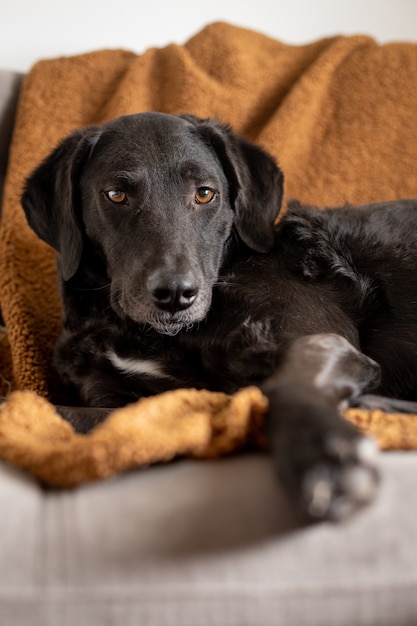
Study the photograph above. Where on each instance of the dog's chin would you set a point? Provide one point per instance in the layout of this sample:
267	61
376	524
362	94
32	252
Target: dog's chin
167	324
170	328
171	324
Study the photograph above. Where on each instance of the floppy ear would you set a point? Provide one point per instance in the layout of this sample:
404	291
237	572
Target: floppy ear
51	198
255	182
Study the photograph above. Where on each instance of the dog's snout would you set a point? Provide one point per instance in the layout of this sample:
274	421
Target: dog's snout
172	292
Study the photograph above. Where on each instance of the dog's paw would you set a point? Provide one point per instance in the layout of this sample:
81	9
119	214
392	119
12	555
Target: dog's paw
342	481
329	470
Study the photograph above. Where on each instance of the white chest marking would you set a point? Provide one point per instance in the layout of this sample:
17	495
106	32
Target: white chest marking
139	367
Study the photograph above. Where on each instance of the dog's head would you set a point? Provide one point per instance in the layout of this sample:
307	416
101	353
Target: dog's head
156	196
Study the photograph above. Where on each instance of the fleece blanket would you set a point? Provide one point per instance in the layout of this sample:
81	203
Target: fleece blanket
338	114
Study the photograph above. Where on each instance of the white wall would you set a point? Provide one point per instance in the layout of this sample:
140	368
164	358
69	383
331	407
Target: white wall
34	29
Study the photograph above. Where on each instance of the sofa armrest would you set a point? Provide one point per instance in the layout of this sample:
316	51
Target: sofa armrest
10	83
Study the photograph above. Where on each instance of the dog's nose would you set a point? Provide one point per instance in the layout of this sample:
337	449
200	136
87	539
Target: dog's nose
173	292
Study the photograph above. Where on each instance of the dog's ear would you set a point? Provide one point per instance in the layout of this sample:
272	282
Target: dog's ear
255	182
51	198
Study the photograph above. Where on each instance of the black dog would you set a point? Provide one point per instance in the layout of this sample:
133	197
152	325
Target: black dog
173	274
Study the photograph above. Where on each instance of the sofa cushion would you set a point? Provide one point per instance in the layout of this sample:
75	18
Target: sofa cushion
199	543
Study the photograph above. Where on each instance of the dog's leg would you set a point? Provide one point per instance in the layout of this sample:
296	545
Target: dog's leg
328	468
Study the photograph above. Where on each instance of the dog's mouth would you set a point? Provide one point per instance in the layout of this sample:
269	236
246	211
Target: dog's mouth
164	322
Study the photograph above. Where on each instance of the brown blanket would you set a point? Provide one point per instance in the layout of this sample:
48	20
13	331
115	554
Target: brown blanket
340	116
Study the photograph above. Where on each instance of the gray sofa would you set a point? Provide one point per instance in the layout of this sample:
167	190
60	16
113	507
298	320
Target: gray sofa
198	543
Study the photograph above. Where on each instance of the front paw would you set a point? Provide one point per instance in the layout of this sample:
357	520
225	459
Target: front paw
343	481
330	474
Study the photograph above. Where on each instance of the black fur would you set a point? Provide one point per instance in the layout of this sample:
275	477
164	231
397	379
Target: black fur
161	290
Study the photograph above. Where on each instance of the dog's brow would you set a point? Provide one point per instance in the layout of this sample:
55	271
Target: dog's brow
191	170
131	178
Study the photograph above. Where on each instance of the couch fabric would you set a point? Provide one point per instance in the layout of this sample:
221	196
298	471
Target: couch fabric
200	543
203	543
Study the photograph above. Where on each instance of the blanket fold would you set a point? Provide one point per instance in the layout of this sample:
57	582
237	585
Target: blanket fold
338	115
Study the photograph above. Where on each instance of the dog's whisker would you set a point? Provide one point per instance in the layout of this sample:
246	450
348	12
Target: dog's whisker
98	288
225	283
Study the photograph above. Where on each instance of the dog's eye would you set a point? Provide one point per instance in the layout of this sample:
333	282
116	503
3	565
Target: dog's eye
117	196
204	195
